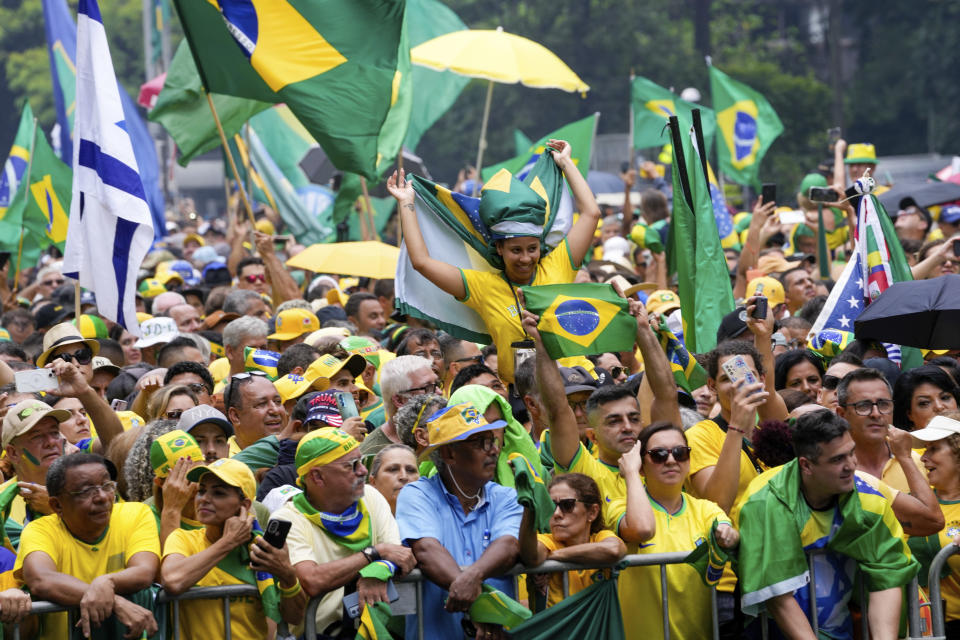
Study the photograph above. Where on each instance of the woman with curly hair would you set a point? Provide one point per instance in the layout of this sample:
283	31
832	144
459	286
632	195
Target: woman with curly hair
137	470
169	402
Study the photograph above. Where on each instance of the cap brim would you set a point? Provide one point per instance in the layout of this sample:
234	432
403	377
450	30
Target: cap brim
224	424
490	426
643	286
577	388
356	364
285	336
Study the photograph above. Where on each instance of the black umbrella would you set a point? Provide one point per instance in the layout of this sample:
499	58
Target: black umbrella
320	169
918	313
926	194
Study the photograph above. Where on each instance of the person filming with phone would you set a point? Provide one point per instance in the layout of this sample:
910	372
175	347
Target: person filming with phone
229	549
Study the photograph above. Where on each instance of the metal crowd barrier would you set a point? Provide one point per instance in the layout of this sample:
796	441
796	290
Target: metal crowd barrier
223	593
933	584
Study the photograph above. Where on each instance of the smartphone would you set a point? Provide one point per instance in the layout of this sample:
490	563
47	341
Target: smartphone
4	258
769	192
956	248
351	602
739	371
791	217
760	310
34	380
118	405
823	194
276	533
346	405
833	134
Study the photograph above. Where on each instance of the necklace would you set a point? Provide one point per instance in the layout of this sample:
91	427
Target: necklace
463	493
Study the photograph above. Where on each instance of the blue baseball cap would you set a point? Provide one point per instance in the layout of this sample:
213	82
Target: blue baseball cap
950	214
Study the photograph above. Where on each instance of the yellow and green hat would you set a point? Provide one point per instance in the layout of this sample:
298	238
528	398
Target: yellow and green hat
151	288
293	323
456	423
861	153
662	301
646	238
363	346
170	447
5	335
321	447
91	326
230	470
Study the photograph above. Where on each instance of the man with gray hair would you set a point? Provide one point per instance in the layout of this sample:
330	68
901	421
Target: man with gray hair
246	303
400	380
166	301
239	334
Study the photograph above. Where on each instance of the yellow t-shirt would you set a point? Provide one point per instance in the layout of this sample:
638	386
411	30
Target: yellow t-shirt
203	619
307	542
234	446
705	439
611	484
131	530
576	580
640	586
495	302
893	473
950	585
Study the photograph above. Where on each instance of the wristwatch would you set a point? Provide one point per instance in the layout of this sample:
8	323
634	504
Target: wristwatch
371	554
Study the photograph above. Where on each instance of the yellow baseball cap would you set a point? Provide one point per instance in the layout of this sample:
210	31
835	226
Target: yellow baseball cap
292	323
662	301
233	472
151	288
193	237
170	447
265	226
294	385
456	423
772	289
861	153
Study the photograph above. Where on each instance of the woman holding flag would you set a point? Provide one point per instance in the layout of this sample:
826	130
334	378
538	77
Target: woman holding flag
515	220
229	550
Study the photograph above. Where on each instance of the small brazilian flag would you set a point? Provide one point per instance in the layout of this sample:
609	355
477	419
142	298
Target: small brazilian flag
261	360
581	319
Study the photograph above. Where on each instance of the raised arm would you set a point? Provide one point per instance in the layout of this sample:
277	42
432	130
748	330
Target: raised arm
580	237
756	236
774	408
73	385
283	286
564	433
445	276
839	169
657	371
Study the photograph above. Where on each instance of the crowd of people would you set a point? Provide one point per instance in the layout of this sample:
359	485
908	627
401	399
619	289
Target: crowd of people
298	433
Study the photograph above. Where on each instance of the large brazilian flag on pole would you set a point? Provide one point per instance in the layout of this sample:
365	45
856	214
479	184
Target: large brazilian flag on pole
342	66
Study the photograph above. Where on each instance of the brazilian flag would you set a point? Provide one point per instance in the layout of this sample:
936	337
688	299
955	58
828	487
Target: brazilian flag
341	66
581	319
261	360
687	372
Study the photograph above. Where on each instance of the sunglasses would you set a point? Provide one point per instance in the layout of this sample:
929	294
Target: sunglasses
476	359
53	283
660	455
174	414
255	277
616	372
566	505
82	357
830	383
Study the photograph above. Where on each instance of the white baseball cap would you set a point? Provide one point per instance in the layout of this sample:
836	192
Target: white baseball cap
937	429
157	330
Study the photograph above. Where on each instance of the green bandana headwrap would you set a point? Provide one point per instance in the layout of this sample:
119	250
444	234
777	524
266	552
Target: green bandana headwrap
510	208
350	529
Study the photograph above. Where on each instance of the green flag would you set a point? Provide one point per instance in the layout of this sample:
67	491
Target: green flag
521	141
652	107
183	111
694	250
342	67
748	126
434	91
581	319
16	164
40	207
591	614
580	136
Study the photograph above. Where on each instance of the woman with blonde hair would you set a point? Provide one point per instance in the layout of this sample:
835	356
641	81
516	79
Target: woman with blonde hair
169	402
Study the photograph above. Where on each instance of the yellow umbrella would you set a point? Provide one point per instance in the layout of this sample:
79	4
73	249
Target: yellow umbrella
497	56
365	259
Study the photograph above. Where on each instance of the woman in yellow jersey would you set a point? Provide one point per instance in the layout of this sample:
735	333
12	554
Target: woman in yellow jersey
941	437
576	535
227	551
662	456
493	295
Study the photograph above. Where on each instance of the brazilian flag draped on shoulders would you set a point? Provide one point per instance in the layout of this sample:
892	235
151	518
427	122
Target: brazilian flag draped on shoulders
694	250
341	66
777	525
748	126
580	319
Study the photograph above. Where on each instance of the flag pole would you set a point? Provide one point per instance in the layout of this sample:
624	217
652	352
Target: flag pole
233	165
483	136
76	302
26	185
633	149
369	207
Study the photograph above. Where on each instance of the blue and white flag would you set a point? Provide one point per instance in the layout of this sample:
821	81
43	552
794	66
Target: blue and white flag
110	227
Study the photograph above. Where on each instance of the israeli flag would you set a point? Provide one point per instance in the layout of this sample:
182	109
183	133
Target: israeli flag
110	228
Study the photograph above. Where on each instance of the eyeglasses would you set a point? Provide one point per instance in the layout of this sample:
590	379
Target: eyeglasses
174	414
486	444
830	383
109	488
566	505
430	387
865	407
236	378
354	465
436	354
53	283
660	455
477	359
582	405
255	277
83	356
198	387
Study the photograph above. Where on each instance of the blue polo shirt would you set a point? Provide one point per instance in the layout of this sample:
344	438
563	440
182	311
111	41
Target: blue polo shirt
425	509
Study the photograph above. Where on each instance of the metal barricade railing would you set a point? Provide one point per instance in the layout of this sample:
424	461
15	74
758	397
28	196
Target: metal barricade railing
933	584
224	593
